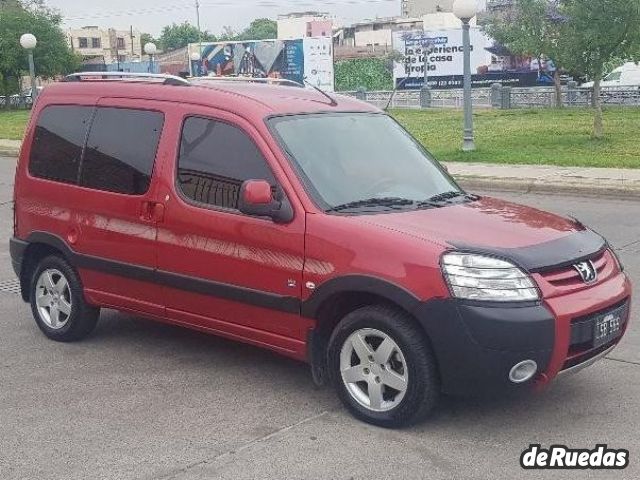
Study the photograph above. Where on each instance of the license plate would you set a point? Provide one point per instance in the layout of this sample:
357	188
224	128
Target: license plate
608	327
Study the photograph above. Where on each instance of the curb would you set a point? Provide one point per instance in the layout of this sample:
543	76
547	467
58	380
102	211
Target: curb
580	187
9	148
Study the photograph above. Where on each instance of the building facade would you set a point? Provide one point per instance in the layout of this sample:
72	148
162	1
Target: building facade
417	8
378	32
99	45
304	24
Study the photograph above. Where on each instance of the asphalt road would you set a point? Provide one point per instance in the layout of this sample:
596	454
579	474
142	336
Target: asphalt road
140	400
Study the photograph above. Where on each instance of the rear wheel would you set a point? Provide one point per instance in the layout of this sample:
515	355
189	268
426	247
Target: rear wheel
382	367
57	301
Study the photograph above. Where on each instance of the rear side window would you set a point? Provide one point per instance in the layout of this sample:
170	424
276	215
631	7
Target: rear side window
215	159
58	140
121	149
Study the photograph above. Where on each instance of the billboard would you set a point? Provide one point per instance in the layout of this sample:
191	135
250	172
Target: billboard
309	59
445	56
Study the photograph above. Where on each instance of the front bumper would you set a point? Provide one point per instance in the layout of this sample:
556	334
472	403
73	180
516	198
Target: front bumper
477	345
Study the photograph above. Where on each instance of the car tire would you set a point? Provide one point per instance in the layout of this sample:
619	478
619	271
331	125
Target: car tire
398	383
57	301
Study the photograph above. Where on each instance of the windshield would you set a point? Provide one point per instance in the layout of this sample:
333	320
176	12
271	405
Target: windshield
356	158
613	77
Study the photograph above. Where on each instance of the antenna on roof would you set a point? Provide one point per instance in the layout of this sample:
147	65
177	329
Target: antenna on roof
332	100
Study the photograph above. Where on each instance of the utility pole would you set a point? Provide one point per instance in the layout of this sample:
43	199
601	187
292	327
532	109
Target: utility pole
131	36
199	36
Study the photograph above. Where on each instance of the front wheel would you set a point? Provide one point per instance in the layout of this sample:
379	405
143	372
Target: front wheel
383	368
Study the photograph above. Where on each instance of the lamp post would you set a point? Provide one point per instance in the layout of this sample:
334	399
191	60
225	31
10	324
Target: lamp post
195	58
150	49
465	10
28	42
425	92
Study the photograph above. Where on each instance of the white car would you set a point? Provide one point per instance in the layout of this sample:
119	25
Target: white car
626	76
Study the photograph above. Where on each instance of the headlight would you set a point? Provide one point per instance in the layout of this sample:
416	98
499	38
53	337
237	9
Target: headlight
476	277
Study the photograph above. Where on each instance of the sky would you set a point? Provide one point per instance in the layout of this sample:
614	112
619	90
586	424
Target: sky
151	15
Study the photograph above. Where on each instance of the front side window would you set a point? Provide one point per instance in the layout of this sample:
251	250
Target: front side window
215	159
359	157
121	150
95	42
83	42
57	143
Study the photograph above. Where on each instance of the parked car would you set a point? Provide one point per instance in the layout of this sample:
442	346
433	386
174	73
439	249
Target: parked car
625	76
309	224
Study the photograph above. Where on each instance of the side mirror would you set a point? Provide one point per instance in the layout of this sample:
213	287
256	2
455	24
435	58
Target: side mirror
256	199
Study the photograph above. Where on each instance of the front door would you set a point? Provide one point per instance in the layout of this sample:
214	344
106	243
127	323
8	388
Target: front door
227	272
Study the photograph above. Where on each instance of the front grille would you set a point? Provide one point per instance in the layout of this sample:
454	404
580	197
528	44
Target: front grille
568	277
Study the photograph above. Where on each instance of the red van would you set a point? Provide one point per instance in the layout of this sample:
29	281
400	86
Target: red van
306	223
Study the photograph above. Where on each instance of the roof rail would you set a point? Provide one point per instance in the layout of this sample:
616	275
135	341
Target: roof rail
166	79
268	81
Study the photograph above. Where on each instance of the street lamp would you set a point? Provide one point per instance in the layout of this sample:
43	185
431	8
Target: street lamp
28	42
465	10
425	92
150	49
195	58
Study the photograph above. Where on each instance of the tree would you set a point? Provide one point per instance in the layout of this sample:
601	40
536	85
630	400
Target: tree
52	55
530	27
260	29
177	36
147	38
596	33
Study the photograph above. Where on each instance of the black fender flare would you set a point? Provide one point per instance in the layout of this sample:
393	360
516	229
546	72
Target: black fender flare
359	284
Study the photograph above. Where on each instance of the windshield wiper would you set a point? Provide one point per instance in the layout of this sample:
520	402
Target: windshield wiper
444	197
373	202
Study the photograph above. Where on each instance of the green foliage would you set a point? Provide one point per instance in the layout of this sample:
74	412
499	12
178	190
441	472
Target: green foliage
598	32
525	29
13	124
367	73
536	136
147	38
180	35
52	55
585	36
259	29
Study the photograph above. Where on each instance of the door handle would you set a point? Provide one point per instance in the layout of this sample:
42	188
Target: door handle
152	212
158	212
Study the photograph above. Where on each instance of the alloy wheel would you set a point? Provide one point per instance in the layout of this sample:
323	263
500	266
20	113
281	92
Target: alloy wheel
374	370
53	298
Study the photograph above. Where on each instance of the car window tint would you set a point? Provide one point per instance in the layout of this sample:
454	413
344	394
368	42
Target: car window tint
58	140
121	149
215	159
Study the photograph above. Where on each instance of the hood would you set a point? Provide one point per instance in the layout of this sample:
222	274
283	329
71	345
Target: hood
532	238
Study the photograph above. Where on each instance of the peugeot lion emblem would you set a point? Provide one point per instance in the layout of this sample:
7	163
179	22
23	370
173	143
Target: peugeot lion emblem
587	271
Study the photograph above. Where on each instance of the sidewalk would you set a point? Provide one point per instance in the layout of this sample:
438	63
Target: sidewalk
613	182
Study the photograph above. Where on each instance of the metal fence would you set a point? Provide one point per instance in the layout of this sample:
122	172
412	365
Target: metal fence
499	97
15	102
